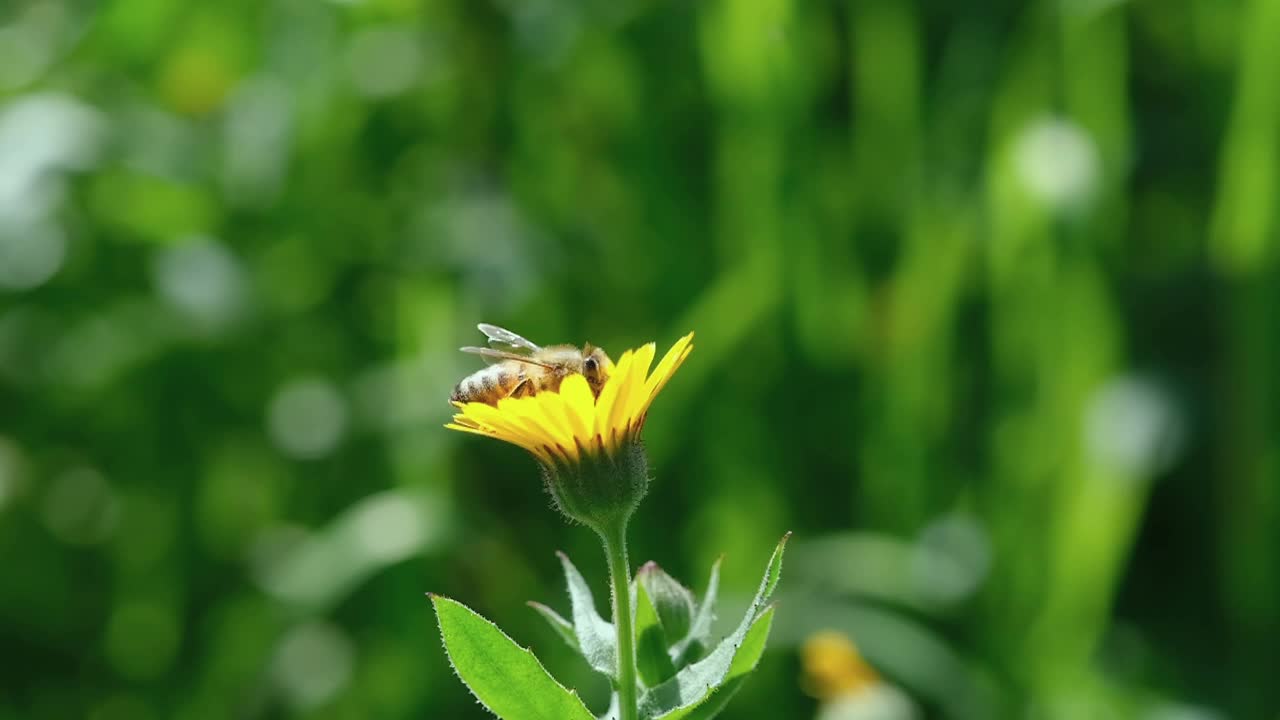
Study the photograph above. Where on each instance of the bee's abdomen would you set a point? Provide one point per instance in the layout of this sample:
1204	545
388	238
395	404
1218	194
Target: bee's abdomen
487	386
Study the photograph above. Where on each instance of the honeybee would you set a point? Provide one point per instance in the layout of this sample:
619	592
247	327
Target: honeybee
522	368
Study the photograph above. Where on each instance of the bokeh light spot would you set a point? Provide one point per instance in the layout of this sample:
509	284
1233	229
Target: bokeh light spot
80	508
307	418
1133	426
203	281
383	62
142	639
951	560
313	663
30	255
1057	161
390	527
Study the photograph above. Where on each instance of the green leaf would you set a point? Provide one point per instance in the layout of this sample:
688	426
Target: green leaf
712	705
744	661
652	659
752	647
692	652
691	648
692	684
563	627
596	638
774	572
506	678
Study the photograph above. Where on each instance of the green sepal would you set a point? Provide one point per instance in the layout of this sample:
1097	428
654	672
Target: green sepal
506	678
694	684
600	489
652	658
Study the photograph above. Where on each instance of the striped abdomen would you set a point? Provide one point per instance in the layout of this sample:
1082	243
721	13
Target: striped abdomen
488	385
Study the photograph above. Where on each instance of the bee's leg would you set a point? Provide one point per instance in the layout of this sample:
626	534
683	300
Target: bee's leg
524	388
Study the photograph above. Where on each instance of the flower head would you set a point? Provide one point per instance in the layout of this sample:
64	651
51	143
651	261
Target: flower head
588	445
562	426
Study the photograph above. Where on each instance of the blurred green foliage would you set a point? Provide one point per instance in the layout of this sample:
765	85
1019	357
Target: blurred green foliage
984	295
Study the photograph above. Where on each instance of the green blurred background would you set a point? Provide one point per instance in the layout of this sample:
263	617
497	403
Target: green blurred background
984	297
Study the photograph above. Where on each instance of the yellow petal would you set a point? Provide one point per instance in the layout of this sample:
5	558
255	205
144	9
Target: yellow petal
555	416
462	419
616	422
534	415
502	425
667	368
472	430
516	412
580	406
632	394
609	395
510	422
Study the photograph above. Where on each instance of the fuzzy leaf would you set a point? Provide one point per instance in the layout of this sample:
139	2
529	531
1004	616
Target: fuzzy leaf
506	678
744	661
596	639
652	659
749	652
692	684
615	709
563	627
692	647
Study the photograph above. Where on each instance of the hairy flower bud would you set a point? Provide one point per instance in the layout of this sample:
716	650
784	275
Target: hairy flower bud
599	489
672	601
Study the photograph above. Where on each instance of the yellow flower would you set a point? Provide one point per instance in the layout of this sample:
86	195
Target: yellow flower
560	427
834	668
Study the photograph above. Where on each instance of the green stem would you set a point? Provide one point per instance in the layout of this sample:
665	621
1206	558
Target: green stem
615	548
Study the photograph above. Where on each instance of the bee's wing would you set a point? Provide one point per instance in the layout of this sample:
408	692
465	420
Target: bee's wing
501	336
493	355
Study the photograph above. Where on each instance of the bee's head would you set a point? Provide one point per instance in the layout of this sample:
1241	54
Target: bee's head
595	367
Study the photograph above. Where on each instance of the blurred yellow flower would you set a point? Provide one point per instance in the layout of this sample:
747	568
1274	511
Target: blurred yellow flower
833	667
559	428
